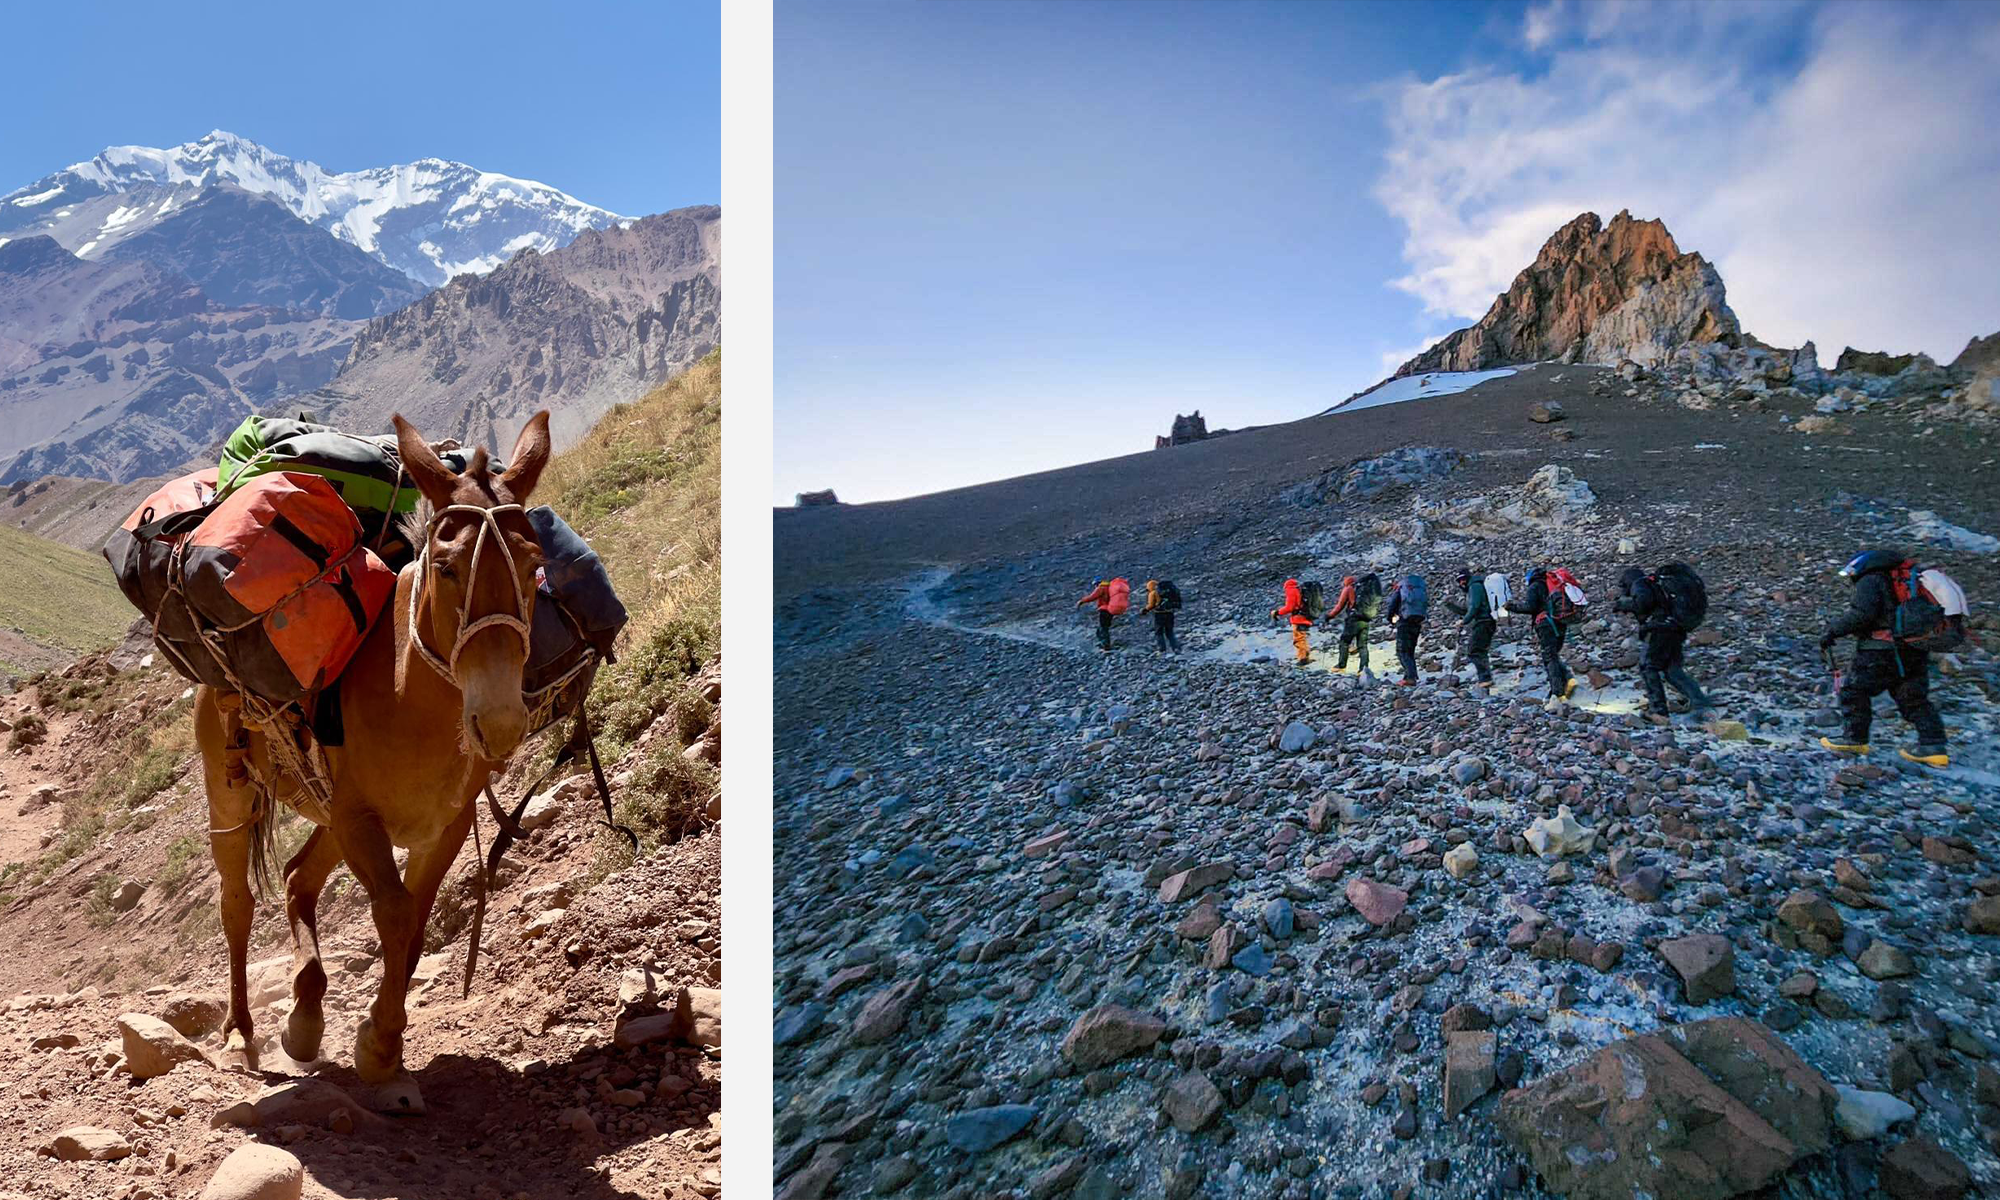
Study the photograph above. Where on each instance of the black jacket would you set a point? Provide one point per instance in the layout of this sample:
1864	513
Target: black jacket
1534	601
1870	609
1639	595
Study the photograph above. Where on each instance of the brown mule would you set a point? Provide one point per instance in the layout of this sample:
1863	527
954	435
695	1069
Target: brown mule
432	705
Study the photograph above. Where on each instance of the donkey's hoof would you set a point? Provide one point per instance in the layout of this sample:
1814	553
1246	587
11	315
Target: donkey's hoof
373	1061
300	1040
400	1096
239	1051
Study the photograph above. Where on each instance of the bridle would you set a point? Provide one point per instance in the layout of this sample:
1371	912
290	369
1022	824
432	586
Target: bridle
447	668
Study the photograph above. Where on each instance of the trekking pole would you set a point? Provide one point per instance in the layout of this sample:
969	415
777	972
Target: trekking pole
1832	669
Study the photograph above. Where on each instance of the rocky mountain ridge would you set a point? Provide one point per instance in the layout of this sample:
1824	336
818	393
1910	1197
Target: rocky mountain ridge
574	330
119	368
429	220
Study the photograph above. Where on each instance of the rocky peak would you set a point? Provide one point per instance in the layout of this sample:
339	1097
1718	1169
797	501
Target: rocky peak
1596	292
22	256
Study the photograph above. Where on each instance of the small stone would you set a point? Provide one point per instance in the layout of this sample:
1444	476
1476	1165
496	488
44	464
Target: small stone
1468	1069
1461	860
1883	961
1920	1169
1108	1033
87	1142
1191	1102
1378	903
1176	888
1706	963
981	1129
256	1172
152	1047
1864	1115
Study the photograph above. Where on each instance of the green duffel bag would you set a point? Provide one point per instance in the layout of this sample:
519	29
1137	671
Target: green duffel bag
367	472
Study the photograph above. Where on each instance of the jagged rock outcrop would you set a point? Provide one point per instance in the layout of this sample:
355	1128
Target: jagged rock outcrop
575	330
1595	293
1186	429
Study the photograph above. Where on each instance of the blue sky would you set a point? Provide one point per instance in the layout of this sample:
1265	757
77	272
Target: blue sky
614	103
1012	236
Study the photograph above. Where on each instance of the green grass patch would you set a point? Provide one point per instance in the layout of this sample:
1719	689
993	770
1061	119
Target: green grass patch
58	597
182	856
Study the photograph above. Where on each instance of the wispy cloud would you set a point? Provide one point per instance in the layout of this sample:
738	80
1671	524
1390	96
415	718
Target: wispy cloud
1837	164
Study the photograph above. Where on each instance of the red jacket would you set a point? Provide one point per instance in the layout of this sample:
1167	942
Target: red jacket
1294	605
1346	600
1102	595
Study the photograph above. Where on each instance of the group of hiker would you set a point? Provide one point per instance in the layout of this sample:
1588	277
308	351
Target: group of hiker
1899	614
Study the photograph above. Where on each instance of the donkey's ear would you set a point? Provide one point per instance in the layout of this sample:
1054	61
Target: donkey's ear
531	454
437	482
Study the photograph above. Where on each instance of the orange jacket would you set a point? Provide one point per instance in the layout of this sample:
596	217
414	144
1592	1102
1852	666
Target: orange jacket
1346	600
1102	595
1293	606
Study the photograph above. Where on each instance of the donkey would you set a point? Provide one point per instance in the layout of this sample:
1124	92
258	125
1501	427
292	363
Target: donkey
432	706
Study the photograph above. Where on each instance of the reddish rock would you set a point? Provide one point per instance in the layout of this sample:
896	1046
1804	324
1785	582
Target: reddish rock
1200	923
1108	1033
1045	845
1810	912
1179	887
1192	1102
883	1013
1646	1117
1378	903
1706	963
1920	1169
1469	1072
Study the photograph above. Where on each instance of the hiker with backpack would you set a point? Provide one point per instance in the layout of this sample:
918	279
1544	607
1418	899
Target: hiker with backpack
1669	604
1546	597
1361	600
1112	597
1409	604
1163	600
1899	613
1301	603
1478	613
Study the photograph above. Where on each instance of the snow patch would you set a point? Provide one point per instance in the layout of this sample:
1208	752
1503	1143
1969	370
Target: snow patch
1417	387
39	197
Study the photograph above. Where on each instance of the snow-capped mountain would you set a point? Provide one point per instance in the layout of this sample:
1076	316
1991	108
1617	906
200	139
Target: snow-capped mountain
430	219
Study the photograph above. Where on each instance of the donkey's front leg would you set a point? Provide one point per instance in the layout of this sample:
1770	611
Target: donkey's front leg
233	832
378	1043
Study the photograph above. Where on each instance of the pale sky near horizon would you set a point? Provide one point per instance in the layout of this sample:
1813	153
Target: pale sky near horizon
1015	236
616	102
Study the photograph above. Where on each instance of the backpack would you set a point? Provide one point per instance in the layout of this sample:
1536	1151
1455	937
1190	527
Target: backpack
367	472
1566	598
1312	599
1686	595
1498	593
1930	609
268	590
1416	597
1368	596
577	619
1170	597
1120	597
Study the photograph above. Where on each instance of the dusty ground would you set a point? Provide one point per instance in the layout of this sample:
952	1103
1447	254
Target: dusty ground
499	1073
940	712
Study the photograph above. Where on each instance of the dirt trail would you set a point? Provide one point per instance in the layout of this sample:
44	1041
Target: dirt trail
526	1094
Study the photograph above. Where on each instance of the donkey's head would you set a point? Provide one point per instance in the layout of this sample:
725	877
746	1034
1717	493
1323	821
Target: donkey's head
475	588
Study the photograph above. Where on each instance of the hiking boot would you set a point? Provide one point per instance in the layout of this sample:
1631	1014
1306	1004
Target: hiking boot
1852	749
1928	756
1406	683
1569	689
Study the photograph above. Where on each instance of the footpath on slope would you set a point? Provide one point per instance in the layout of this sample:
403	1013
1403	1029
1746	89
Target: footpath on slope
529	1089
